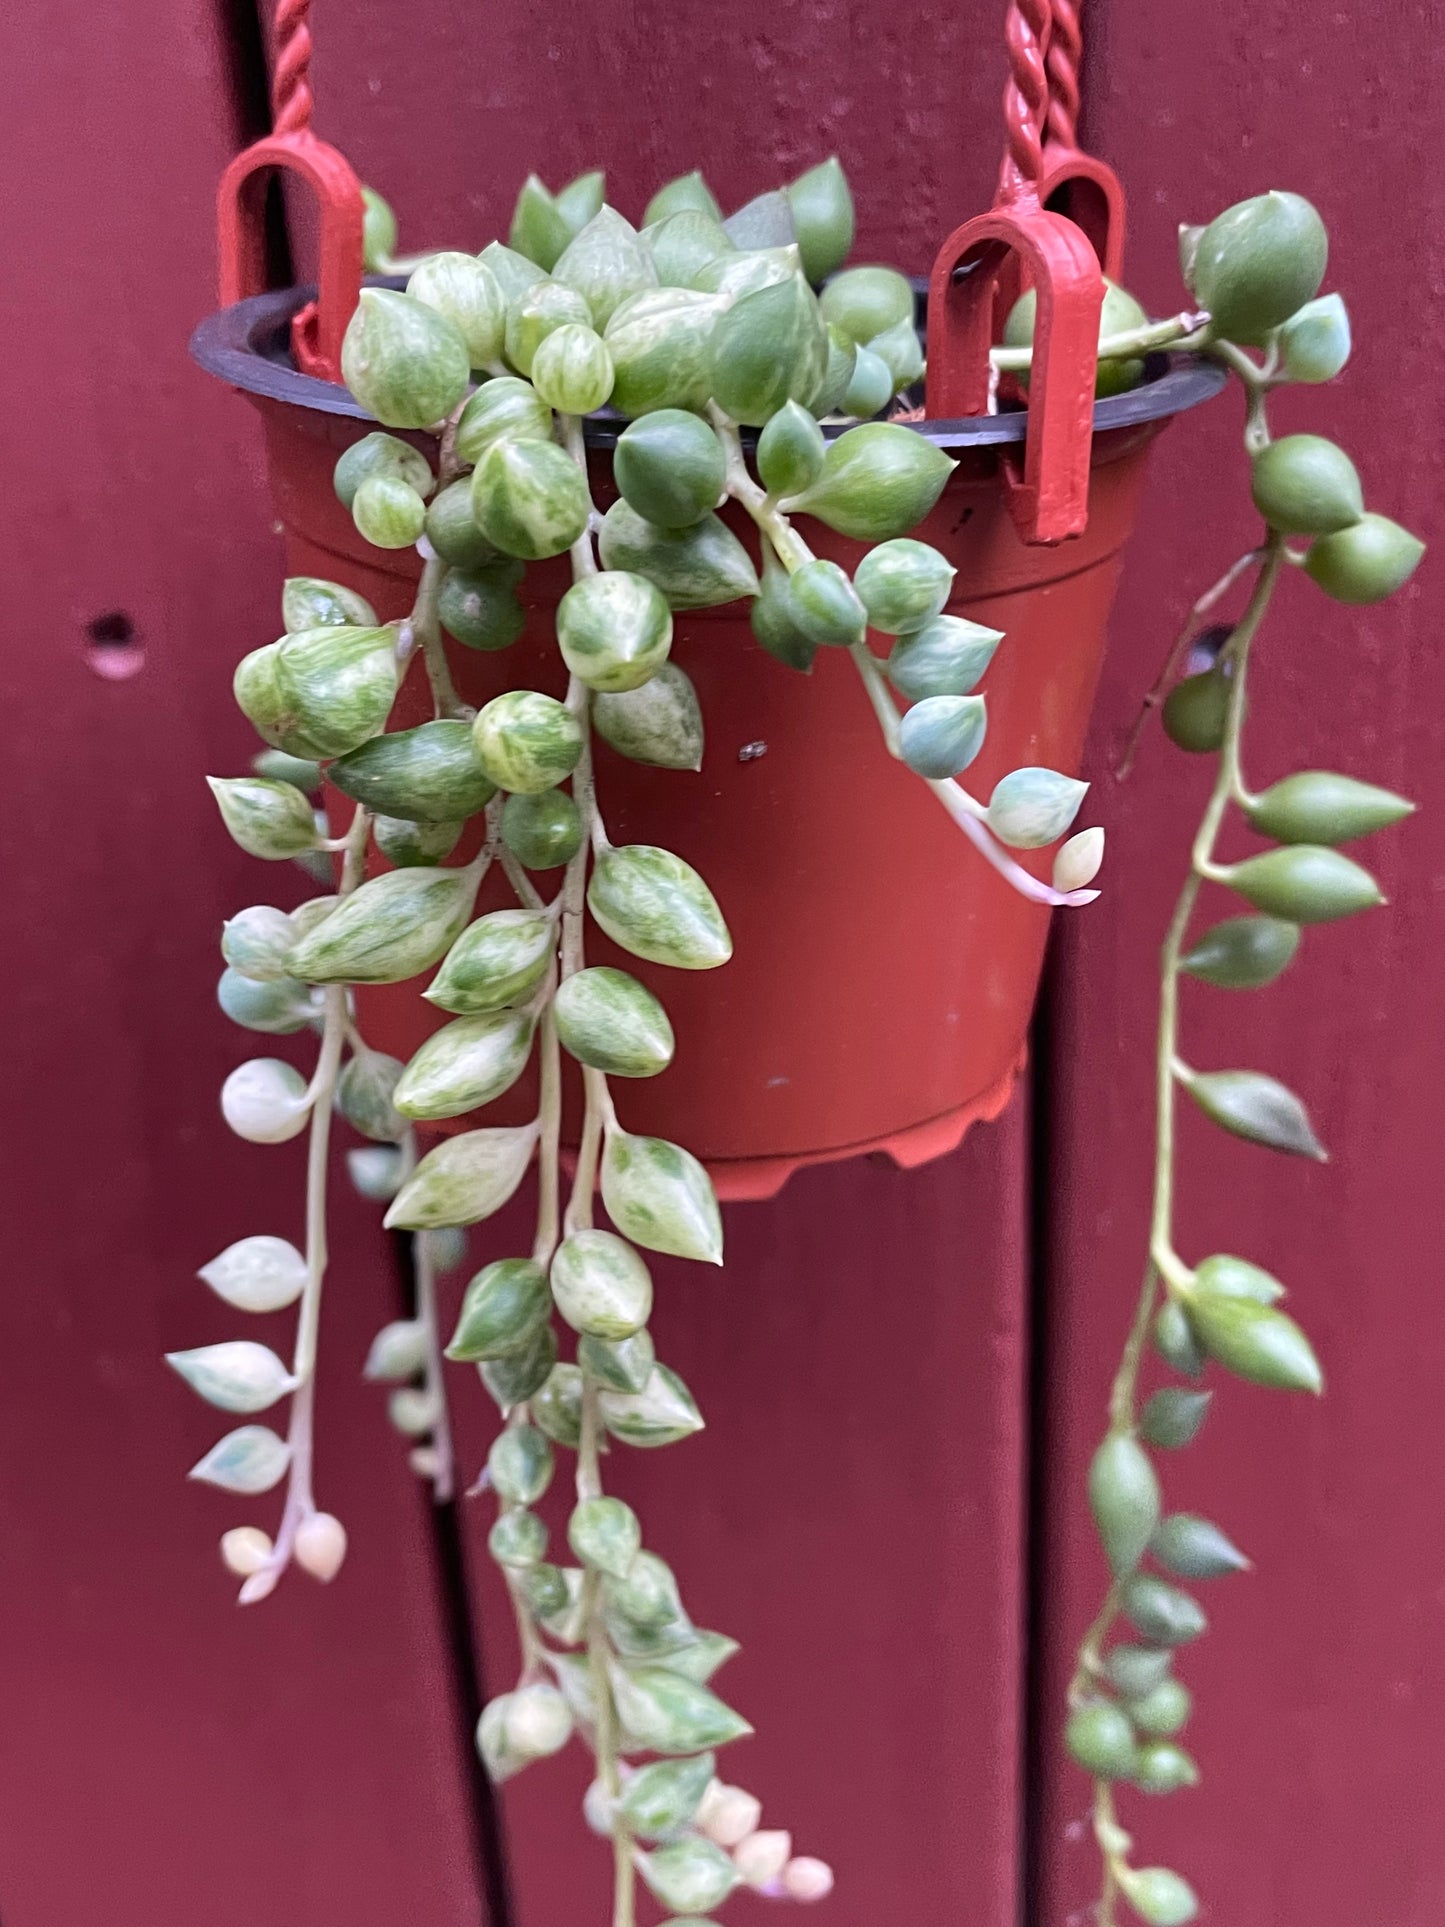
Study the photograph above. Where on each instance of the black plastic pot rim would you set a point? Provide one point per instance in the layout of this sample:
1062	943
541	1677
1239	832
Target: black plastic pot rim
248	345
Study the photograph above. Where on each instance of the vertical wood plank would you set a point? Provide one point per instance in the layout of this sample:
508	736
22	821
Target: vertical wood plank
162	1758
1320	1707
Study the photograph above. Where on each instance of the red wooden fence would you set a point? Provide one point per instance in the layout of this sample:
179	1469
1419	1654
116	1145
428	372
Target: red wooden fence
855	1512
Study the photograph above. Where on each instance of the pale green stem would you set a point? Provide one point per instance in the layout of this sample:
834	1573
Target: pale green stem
443	1475
425	623
549	1138
1182	331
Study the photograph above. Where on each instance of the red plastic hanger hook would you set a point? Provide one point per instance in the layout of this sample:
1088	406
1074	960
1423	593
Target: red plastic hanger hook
317	331
1021	242
1071	182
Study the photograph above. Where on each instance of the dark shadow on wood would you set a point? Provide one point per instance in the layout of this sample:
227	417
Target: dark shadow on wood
469	1691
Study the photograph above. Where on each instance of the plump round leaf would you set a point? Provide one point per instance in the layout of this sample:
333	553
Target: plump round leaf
607	1019
614	630
670	467
530	499
405	363
877	481
429	774
498	960
543	830
1365	563
1258	263
526	741
505	1306
658	907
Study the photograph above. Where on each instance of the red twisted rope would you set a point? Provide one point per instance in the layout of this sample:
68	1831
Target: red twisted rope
1026	97
291	77
1066	51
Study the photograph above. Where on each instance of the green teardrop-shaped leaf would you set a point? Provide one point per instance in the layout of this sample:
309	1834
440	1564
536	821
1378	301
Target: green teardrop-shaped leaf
506	1304
790	451
405	363
480	607
256	687
1032	807
658	1195
870	385
669	1713
498	960
1243	953
1229	1277
774	621
658	907
1255	1342
514	1377
1256	1107
1162	1613
335	687
452	530
605	1536
1101	1740
1306	485
903	585
600	1285
1258	263
660	723
518	1540
572	369
867	302
770	347
537	313
648	1596
398	1353
388	513
267	819
582	198
545	1590
822	212
824	604
687	191
1305	883
661	343
364	1095
619	1365
942	735
946	657
832	391
530	499
257	942
607	1019
1164	1768
1365	563
695	568
1314	344
1316	806
1159	1896
661	1413
663	1797
749	271
543	830
278	1008
1192	1548
464	1180
239	1376
614	630
606	262
374	454
389	929
1165	1709
378	232
466	1064
1124	1499
258	1274
429	774
1136	1671
766	221
468	294
251	1459
1172	1417
309	602
514	272
901	353
689	1876
1196	711
540	230
557	1407
504	409
683	243
526	741
877	481
670	467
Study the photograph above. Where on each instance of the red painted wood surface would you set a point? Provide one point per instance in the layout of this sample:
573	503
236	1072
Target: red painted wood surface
1321	1701
162	1758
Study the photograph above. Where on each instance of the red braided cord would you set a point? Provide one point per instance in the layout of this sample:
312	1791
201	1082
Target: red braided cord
291	78
1066	51
1026	97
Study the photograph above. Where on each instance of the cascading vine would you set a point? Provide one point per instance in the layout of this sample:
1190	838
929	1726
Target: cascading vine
1257	270
696	331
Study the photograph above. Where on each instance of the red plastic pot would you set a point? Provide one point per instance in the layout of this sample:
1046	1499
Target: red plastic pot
883	975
